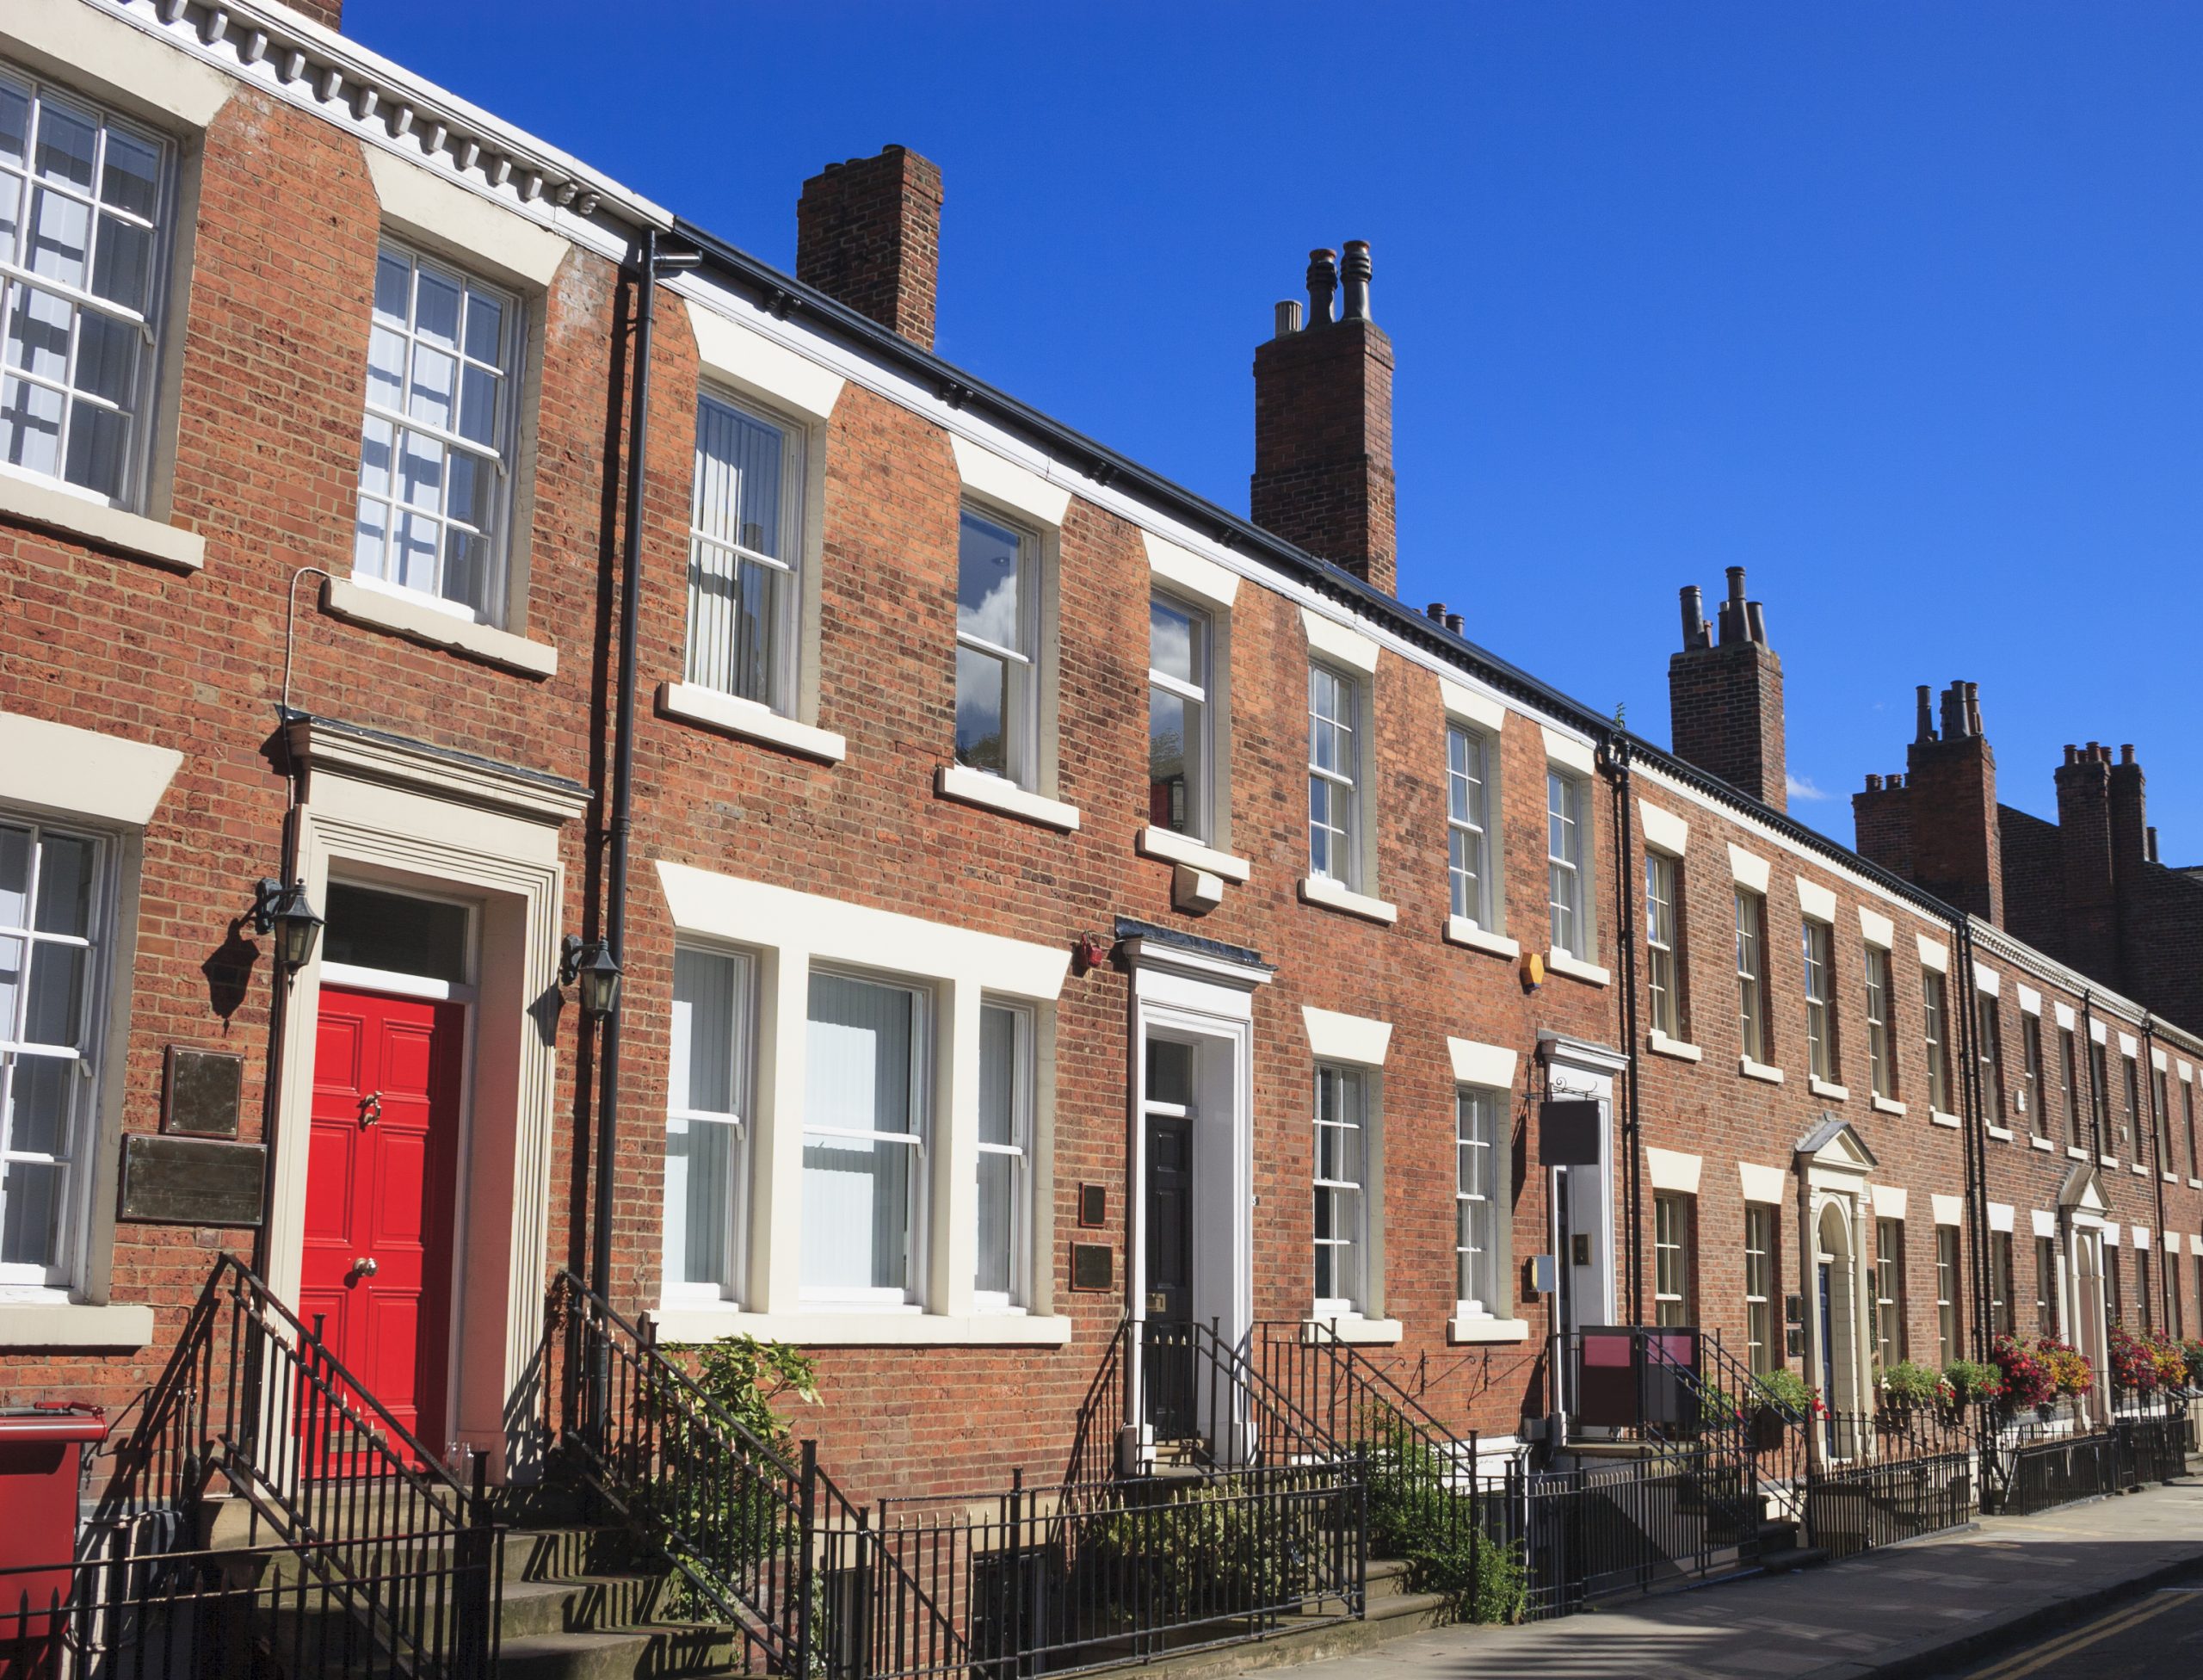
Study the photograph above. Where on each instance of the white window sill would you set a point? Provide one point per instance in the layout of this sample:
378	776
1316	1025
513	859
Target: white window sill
2195	1183
1888	1105
1460	1330
2002	1134
1352	1329
827	1328
1560	962
2111	1161
1936	1117
2139	1171
2043	1144
1824	1088
2074	1154
1460	930
61	1324
1752	1070
1661	1045
1176	847
746	718
421	623
969	786
1323	890
129	534
2171	1177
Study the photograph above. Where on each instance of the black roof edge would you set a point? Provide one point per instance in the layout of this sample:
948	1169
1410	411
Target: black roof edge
1131	927
783	295
288	715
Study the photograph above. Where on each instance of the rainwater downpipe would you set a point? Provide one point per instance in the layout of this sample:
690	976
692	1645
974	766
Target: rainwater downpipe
651	264
1966	1010
2165	1273
1618	755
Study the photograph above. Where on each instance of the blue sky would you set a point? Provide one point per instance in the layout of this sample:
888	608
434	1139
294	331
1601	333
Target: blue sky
1901	307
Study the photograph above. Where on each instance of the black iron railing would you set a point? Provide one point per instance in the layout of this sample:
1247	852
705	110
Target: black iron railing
253	1401
2029	1464
1679	1515
1201	1389
114	1610
1908	1471
1055	1580
747	1526
1435	1500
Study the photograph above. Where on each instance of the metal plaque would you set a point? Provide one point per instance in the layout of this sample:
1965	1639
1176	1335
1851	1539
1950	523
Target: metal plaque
1569	1133
1093	1205
192	1180
204	1091
1093	1266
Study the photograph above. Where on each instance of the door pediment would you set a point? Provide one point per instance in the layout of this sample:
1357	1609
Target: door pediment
1834	1147
2082	1194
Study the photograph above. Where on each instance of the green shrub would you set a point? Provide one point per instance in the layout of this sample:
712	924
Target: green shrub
1909	1384
1787	1389
1971	1380
1418	1516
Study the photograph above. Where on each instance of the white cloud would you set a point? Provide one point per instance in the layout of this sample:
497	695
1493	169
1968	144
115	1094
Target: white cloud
1802	788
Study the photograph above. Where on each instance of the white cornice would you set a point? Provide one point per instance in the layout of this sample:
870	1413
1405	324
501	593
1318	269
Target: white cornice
291	59
2101	998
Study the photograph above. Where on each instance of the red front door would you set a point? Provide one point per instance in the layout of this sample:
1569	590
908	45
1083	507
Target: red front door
379	1205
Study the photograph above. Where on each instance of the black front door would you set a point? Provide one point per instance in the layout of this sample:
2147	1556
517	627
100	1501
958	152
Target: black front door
1169	1357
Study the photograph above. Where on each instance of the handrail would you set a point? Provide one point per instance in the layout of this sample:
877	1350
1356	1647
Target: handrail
253	1394
1280	1424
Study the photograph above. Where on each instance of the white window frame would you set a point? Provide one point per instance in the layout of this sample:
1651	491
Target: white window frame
140	409
1567	823
1934	1038
1762	1322
1019	1151
700	665
1948	1344
742	1027
40	1282
1881	1063
1469	754
1200	789
2003	1315
1818	942
1345	782
1662	969
1891	1336
1477	1114
2047	1318
1989	1029
2069	1070
503	457
2129	1121
917	1141
1751	972
1671	1301
2032	1070
1022	705
1355	1241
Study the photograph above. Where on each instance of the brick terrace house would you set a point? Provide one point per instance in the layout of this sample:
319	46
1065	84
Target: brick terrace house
1000	963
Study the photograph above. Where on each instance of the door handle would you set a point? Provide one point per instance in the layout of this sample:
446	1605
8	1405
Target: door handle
364	1267
370	1108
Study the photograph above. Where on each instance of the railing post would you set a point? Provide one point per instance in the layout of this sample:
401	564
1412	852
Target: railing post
807	1533
473	1600
1015	1586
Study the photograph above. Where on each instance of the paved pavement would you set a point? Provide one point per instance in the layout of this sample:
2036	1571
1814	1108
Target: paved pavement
2158	1635
1906	1612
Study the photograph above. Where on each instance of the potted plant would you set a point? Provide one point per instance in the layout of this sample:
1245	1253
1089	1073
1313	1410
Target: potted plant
2134	1366
1907	1386
1972	1382
2028	1382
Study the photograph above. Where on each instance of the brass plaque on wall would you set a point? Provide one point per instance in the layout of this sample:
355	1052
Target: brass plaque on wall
205	1091
1093	1266
192	1180
1093	1205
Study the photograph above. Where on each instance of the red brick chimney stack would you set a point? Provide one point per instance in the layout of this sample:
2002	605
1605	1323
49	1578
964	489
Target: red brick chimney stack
2084	831
1323	425
329	14
868	235
1725	697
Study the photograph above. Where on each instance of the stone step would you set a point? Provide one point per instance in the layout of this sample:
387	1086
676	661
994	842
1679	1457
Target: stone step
1795	1557
659	1650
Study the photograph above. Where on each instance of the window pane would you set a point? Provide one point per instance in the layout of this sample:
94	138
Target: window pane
856	1198
981	710
15	877
12	952
38	1104
998	1076
997	1223
30	426
1169	1073
38	334
1173	749
61	237
699	1200
396	931
64	885
130	176
56	1003
988	603
1175	639
123	273
30	1212
702	1070
65	143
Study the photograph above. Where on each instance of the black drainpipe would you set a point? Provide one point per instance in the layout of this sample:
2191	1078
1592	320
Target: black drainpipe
651	264
1618	755
2166	1272
2099	1103
1972	1114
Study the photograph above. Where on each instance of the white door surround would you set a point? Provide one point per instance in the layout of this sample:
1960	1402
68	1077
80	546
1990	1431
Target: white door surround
1199	992
1835	1202
1580	1200
381	810
2080	1217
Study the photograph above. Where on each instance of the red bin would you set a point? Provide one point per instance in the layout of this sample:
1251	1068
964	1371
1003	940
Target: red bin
41	1449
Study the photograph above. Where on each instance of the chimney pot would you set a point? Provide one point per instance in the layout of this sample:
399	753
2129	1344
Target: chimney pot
1355	273
1756	622
1453	623
2126	753
2150	845
1286	317
1694	617
1435	612
1323	284
1924	727
1873	782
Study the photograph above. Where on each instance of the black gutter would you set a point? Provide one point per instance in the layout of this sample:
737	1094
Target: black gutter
1973	1139
2160	1134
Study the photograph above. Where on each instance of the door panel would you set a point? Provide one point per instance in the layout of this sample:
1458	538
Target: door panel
379	1203
1170	1352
